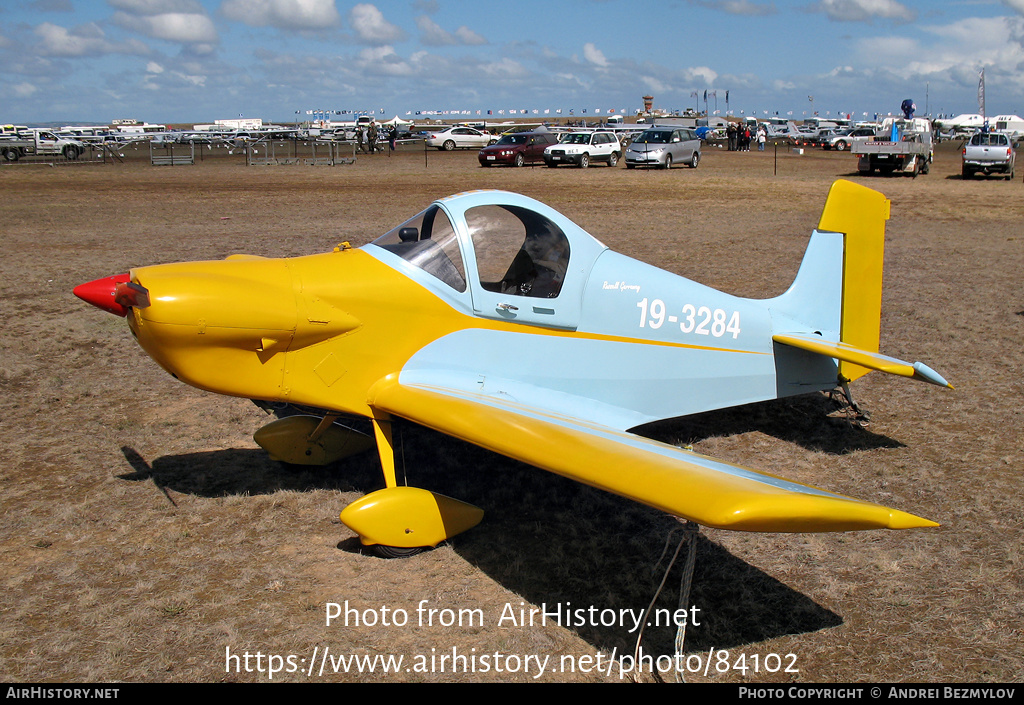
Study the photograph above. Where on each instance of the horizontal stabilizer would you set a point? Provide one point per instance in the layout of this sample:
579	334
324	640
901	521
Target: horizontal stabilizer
688	485
864	358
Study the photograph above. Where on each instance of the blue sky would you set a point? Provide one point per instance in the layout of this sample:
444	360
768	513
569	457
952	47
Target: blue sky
184	61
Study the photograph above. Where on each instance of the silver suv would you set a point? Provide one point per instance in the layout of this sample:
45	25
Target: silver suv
842	141
663	147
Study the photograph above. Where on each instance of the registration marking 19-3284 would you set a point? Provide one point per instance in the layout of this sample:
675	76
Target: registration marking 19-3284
699	320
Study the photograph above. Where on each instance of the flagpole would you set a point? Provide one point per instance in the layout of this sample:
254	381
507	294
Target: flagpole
981	98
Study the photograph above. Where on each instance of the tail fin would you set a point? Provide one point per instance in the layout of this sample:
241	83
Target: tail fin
860	213
850	236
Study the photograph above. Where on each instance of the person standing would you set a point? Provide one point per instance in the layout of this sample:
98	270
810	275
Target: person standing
762	137
372	136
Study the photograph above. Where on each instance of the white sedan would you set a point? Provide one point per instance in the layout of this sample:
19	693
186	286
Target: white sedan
460	137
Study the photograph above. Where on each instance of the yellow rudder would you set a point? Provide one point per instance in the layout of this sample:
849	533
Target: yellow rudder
860	213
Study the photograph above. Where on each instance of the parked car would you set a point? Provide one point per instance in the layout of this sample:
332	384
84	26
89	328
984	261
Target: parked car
842	141
517	148
460	137
38	142
582	148
988	152
663	147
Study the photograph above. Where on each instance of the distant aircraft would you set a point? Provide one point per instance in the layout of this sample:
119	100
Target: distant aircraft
776	131
798	134
962	124
495	319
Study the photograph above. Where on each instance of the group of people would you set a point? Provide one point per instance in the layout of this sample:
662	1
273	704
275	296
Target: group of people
740	137
367	137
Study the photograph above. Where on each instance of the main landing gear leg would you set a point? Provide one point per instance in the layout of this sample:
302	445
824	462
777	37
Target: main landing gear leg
402	521
844	399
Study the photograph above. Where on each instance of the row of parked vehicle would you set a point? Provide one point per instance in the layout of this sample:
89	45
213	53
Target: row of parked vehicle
661	147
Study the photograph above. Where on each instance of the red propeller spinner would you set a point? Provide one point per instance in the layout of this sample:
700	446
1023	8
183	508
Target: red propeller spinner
115	294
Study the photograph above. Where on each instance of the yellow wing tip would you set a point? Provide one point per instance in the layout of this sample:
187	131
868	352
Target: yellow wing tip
903	520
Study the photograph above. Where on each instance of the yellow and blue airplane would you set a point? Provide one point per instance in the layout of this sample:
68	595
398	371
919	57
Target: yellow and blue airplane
493	318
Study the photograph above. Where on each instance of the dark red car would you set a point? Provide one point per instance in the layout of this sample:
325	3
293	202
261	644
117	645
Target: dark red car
518	148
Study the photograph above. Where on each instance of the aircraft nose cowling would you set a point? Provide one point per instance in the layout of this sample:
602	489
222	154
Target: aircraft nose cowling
227	326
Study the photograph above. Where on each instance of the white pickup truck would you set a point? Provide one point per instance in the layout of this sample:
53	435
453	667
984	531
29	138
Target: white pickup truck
23	144
988	153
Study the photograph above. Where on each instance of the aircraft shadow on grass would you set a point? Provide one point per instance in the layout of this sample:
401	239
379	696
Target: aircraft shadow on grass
554	541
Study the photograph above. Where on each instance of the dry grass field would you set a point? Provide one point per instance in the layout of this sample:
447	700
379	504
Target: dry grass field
145	537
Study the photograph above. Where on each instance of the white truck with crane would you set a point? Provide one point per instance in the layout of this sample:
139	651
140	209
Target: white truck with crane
901	146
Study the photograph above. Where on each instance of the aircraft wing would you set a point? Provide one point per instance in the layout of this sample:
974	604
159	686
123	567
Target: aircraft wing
688	485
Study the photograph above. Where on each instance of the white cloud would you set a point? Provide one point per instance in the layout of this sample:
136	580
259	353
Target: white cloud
187	28
738	7
432	34
85	40
1017	5
24	90
701	74
963	45
154	67
594	55
384	60
285	14
192	80
840	71
865	10
372	28
506	68
468	36
655	85
157	7
52	5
